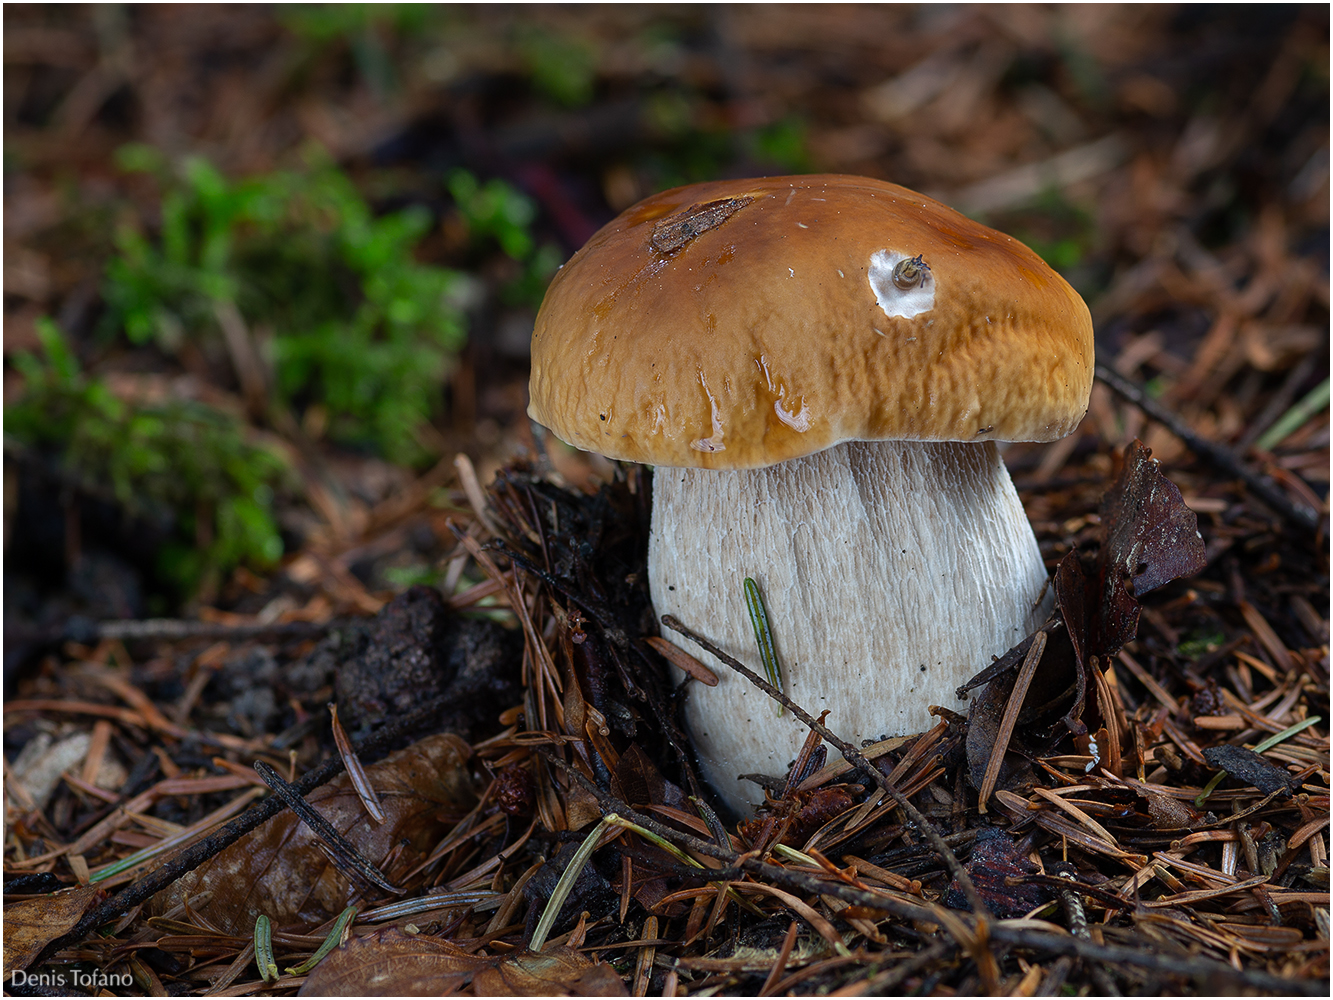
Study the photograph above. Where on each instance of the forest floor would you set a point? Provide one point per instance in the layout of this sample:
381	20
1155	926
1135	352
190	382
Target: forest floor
472	594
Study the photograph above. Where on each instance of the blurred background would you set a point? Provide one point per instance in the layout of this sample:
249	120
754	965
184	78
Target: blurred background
269	269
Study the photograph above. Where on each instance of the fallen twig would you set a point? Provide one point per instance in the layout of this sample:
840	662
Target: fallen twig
345	857
1219	455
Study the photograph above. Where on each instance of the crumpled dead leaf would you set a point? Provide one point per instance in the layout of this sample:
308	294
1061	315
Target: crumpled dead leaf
280	869
391	962
32	924
996	858
1151	538
1251	768
559	971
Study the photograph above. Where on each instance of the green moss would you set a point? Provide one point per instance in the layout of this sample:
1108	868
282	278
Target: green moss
349	318
175	456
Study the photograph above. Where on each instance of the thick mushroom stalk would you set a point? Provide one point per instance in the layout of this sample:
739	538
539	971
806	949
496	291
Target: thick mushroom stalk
892	571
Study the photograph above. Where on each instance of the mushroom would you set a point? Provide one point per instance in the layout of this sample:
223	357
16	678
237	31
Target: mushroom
818	368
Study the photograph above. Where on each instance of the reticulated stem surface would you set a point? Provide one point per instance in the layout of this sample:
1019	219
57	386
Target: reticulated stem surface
892	571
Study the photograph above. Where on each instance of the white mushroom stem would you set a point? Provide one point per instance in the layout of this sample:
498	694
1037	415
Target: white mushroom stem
892	571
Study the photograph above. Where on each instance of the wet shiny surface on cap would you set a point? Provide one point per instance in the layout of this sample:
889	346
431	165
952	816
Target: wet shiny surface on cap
736	324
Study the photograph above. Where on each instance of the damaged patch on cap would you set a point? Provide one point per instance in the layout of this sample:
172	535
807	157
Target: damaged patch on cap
904	286
673	232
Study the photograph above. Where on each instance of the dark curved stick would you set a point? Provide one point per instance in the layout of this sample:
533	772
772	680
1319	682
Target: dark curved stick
1222	457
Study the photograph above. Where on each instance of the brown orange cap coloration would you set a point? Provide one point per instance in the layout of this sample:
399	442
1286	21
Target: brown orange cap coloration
736	324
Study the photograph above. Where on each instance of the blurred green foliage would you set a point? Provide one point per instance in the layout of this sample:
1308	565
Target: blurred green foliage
350	319
783	144
563	68
326	22
689	148
174	456
365	29
1059	231
339	310
498	211
1199	642
495	209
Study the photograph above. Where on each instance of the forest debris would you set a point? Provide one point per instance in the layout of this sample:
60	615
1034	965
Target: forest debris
1218	455
1216	288
997	858
1152	537
280	870
677	657
394	962
416	649
1250	767
997	737
32	924
40	764
356	772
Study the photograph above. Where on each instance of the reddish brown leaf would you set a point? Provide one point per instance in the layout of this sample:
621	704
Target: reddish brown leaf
32	924
280	869
393	963
996	858
555	972
1152	538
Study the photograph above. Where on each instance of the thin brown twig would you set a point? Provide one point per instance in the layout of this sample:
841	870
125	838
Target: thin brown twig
1219	455
345	857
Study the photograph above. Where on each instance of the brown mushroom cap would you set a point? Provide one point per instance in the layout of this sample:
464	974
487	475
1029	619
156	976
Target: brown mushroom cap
736	324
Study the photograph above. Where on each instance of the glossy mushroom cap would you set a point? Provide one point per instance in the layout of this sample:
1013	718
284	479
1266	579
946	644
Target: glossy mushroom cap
736	324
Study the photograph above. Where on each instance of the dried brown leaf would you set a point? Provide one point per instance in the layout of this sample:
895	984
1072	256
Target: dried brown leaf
1250	767
280	869
996	858
391	962
32	924
1152	538
556	972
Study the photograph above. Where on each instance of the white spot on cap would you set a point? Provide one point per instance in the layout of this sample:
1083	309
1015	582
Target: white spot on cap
713	442
896	301
799	421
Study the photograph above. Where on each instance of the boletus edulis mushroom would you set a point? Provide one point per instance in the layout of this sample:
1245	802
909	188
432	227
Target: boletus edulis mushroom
818	368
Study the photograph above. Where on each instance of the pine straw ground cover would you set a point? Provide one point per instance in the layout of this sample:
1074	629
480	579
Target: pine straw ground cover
135	742
574	850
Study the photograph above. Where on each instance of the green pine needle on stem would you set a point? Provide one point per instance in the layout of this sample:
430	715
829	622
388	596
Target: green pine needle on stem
763	635
566	883
1286	734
